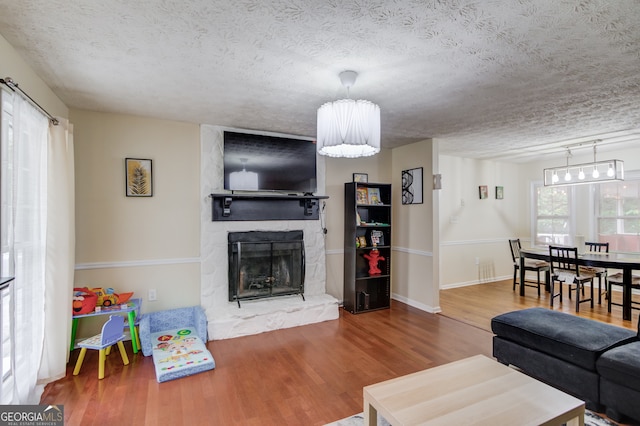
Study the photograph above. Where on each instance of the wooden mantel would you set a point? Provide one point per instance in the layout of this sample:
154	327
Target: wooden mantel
265	206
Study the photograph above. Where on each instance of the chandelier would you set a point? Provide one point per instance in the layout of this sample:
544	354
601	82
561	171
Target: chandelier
577	174
348	128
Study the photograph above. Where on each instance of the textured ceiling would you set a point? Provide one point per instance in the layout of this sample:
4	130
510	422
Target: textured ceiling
488	78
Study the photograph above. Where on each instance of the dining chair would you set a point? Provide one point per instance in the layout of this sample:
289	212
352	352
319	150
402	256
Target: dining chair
594	247
564	270
111	334
529	264
616	279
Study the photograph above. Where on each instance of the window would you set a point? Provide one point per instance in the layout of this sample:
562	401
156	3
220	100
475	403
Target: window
6	267
618	214
24	136
552	222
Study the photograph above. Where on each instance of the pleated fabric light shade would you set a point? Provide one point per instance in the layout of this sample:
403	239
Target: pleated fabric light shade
348	128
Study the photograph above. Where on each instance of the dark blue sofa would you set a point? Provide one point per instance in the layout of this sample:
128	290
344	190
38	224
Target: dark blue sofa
596	362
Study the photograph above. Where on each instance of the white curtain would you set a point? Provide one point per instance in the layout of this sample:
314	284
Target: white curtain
26	165
60	252
39	170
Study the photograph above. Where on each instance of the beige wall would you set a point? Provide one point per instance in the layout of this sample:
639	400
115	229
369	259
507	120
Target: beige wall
414	268
339	171
133	243
414	274
13	66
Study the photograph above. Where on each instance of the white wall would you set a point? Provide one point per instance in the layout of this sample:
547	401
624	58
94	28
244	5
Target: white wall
474	231
532	172
226	319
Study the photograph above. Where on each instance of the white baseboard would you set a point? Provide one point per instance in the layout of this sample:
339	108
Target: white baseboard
417	305
474	282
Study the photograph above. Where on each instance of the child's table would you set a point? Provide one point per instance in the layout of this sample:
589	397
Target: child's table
132	307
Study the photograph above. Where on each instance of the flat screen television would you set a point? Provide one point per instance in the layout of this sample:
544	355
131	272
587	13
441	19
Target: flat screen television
269	163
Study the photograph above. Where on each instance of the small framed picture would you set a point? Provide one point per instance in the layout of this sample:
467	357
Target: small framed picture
483	192
360	177
139	177
412	186
499	192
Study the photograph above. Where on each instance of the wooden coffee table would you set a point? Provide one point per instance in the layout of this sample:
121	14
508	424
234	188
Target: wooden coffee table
476	390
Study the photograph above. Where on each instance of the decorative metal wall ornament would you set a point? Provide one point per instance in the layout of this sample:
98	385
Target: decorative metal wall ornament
412	186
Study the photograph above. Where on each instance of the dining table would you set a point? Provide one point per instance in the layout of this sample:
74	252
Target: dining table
627	262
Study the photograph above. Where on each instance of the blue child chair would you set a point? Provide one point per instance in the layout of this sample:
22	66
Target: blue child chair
111	334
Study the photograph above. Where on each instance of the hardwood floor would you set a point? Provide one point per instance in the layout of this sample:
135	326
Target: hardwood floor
309	375
477	304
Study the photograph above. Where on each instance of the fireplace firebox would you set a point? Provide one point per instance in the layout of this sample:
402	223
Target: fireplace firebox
265	264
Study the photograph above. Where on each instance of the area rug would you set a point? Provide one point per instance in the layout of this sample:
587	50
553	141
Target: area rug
590	419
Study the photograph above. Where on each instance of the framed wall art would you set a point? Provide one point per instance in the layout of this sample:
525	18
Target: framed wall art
499	192
483	192
412	186
360	177
139	177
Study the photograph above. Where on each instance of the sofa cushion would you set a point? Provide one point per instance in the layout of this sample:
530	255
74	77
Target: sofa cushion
577	340
622	365
179	353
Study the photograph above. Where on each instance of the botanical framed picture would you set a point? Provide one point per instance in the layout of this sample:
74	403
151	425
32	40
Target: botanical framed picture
139	177
483	192
412	186
499	192
360	177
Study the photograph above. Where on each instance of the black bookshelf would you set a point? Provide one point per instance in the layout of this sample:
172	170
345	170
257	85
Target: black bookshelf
367	228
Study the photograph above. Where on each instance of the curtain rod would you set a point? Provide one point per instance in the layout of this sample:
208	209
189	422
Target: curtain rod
8	81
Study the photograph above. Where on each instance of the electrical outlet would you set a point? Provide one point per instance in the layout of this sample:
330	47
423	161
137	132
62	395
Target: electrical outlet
152	294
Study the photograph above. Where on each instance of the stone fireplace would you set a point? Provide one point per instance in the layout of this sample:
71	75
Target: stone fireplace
224	317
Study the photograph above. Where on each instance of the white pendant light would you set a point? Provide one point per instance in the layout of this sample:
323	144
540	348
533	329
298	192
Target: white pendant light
348	128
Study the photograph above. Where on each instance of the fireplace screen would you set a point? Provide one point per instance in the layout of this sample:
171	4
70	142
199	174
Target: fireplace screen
265	264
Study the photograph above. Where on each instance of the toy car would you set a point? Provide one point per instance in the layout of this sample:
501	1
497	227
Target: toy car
105	297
